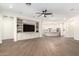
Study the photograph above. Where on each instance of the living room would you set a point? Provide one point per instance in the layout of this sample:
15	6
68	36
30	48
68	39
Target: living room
47	30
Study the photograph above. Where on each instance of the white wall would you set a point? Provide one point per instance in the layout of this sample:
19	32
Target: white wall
72	29
69	30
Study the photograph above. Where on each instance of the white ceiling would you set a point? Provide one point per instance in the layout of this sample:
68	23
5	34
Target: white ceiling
60	10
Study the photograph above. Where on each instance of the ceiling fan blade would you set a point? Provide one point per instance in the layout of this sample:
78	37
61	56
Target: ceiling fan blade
48	13
40	15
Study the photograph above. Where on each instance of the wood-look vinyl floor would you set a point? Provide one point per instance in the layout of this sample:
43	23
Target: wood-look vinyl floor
46	46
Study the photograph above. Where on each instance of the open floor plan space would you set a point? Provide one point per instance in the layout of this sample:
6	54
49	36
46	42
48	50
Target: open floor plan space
39	29
45	46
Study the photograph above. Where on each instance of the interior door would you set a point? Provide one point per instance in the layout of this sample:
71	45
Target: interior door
8	28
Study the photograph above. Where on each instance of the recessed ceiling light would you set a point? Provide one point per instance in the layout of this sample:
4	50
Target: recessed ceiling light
11	6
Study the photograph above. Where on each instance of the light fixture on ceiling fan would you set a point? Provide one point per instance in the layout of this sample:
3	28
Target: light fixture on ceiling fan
44	13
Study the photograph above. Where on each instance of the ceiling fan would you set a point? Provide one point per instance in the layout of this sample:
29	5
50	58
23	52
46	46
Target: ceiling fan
44	13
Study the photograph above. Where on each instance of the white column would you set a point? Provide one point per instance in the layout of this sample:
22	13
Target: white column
40	28
15	29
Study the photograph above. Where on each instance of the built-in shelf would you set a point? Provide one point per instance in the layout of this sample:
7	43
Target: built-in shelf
19	25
